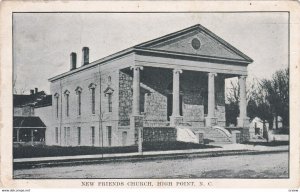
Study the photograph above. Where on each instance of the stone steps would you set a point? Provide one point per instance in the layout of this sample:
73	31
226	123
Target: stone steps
213	135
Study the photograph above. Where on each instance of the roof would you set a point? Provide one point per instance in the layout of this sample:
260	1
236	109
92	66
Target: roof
45	101
20	121
152	47
39	99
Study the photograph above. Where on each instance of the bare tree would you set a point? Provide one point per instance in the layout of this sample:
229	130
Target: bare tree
276	92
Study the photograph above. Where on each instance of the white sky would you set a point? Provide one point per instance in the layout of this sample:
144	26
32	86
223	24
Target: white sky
43	41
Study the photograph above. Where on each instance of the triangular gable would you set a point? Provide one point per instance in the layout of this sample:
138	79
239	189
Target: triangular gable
196	40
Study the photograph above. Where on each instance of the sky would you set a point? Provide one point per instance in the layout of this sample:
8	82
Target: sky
42	42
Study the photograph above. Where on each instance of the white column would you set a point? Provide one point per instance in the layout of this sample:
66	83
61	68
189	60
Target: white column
136	90
211	120
176	93
243	120
243	99
211	94
136	120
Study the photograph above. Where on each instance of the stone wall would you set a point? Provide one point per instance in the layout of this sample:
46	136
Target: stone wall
154	87
125	98
155	109
154	134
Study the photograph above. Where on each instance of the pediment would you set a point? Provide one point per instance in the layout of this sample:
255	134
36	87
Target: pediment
108	90
196	40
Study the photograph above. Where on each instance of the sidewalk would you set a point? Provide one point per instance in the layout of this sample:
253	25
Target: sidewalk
228	149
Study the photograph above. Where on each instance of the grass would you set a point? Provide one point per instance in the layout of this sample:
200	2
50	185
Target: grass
52	151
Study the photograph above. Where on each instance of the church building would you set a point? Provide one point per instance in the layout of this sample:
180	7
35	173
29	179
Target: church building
177	80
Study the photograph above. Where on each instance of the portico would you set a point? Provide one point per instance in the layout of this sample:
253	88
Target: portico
176	117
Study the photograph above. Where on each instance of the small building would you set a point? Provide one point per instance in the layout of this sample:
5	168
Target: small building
257	126
32	115
171	81
28	129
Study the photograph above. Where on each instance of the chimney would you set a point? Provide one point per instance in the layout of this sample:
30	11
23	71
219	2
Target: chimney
85	55
31	91
36	90
73	58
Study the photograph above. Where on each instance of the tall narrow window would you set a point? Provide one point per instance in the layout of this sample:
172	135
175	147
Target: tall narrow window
92	88
108	93
79	103
78	92
67	102
109	135
66	93
93	135
78	135
56	107
93	101
109	96
56	95
56	134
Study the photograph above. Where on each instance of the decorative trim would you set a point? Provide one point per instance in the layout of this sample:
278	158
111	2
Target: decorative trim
56	95
66	92
78	89
108	90
92	86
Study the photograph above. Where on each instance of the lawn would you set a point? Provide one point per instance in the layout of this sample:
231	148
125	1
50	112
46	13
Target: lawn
52	151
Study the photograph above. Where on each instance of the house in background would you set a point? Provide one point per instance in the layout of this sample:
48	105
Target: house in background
156	86
31	117
257	126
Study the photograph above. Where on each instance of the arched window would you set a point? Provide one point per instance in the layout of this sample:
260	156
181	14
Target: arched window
67	93
92	88
56	96
78	93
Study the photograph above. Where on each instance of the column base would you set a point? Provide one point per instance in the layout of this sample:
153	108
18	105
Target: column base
211	121
176	120
243	122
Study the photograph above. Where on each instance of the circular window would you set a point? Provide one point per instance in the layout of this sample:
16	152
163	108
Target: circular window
196	43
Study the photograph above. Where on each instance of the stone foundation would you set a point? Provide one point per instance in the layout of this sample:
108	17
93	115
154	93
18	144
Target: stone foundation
174	121
154	134
211	121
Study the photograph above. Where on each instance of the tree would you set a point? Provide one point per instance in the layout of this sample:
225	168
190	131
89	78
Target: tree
277	95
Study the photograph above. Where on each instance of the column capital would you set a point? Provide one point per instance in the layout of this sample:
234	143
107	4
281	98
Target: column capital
211	74
177	71
136	67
